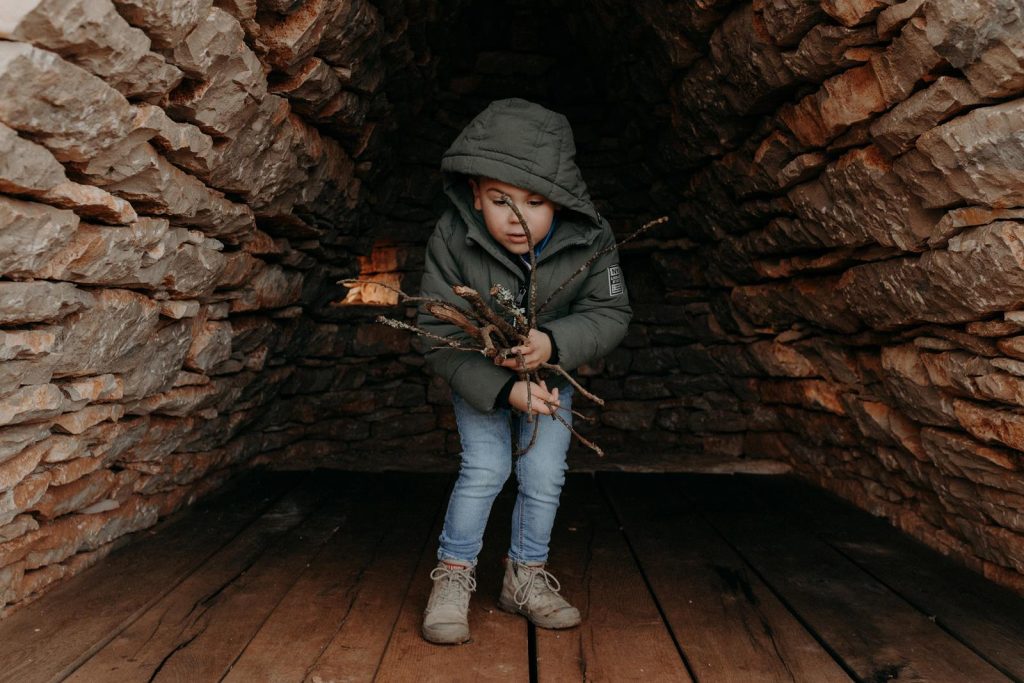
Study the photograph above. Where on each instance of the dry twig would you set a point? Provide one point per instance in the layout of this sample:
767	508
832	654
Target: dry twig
492	334
583	440
593	259
532	286
572	380
484	312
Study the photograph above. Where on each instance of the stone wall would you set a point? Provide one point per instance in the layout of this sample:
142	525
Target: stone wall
390	413
182	183
850	189
837	291
174	175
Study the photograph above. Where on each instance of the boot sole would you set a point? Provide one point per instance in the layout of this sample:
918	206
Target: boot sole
444	641
513	608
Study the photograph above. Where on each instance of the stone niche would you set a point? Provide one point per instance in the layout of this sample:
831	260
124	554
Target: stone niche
839	292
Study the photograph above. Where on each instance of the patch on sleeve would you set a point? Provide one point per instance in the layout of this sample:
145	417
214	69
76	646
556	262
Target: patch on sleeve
615	285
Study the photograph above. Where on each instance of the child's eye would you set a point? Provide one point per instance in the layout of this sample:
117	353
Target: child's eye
529	202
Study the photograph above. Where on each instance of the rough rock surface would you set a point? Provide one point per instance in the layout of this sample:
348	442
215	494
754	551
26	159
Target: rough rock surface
95	37
983	38
862	212
53	103
139	303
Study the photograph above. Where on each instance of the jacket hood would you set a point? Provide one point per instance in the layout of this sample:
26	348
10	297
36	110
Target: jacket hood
521	143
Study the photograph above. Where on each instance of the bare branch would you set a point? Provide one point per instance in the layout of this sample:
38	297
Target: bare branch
560	370
593	259
402	296
488	341
583	440
455	316
505	300
532	286
496	336
525	376
447	341
533	440
485	313
585	418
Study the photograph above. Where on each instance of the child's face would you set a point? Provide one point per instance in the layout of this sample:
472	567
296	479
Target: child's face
501	221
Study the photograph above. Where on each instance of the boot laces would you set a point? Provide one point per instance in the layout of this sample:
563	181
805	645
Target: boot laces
457	580
537	581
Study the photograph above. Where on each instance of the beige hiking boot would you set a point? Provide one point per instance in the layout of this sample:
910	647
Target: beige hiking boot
446	619
532	591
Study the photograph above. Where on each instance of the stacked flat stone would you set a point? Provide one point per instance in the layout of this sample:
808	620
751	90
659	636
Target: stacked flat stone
840	295
854	202
162	184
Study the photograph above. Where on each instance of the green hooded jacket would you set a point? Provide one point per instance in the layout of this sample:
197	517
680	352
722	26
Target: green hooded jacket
526	145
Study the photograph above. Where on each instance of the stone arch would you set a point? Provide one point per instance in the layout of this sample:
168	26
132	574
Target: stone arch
182	183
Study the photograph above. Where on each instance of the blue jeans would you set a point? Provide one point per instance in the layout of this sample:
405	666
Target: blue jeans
486	464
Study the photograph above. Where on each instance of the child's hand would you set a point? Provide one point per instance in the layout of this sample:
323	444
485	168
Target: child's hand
536	350
539	397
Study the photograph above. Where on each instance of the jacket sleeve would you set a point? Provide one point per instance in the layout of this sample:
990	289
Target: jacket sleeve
470	374
599	316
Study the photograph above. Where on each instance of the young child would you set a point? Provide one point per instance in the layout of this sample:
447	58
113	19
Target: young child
527	152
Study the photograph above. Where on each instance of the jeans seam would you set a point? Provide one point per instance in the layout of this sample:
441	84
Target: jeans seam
471	422
519	484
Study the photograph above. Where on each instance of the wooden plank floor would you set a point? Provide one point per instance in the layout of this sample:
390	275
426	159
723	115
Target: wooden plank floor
322	576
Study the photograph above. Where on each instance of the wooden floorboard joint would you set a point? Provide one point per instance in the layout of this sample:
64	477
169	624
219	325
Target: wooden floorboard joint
531	652
871	629
352	598
427	541
197	630
946	593
705	578
347	594
938	621
320	507
497	650
268	504
102	626
599	480
780	596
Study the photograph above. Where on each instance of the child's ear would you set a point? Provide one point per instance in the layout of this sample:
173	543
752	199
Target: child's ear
474	186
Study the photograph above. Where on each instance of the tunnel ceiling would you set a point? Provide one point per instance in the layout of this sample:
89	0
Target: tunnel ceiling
183	182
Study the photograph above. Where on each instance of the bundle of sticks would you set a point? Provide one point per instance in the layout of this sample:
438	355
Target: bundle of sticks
497	333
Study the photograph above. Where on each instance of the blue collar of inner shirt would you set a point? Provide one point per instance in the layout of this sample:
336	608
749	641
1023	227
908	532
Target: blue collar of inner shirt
543	243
